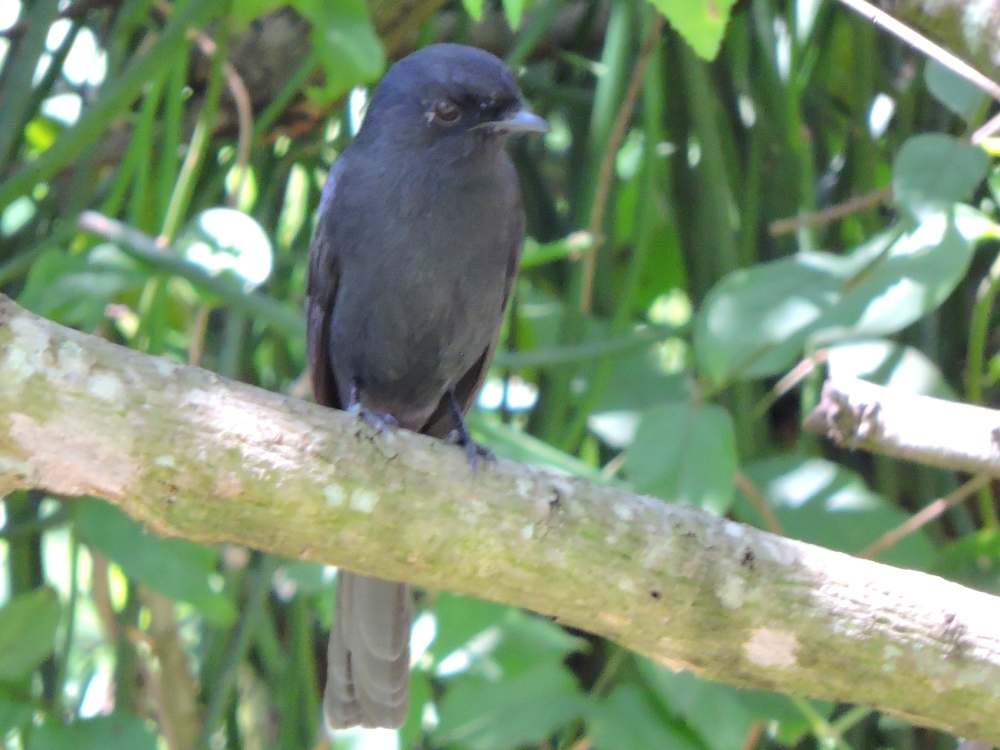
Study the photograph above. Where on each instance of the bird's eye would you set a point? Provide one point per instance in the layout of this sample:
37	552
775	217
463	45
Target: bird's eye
447	112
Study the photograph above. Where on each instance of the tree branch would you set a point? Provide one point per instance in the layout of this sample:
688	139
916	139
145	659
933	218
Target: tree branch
931	431
194	455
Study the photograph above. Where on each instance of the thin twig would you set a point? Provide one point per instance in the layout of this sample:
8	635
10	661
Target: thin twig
753	734
792	378
612	467
922	44
986	131
144	248
925	516
244	111
198	328
781	227
607	170
745	485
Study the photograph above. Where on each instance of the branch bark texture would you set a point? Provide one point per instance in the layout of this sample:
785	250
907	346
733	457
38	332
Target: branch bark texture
194	455
858	414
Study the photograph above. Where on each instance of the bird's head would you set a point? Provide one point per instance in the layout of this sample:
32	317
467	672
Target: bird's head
448	95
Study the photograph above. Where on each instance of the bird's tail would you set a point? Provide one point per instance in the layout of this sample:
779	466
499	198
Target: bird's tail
368	660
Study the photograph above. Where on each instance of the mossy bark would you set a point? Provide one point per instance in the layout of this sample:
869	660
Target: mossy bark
194	455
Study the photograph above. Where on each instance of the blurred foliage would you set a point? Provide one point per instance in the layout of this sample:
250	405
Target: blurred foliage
670	380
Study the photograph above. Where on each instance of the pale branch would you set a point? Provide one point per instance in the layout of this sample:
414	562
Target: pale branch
194	455
858	414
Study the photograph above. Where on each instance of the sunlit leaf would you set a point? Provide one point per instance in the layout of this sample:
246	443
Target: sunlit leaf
40	133
818	501
474	8
223	240
934	170
685	452
723	715
513	640
902	368
513	9
701	23
482	715
17	215
757	321
538	254
958	94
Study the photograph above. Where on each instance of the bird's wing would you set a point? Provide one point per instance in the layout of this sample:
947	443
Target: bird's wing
440	423
320	296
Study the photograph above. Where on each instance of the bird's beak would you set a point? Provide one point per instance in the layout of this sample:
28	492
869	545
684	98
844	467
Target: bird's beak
522	121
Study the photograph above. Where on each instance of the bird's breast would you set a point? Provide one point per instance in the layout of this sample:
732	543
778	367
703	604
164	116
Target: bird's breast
421	295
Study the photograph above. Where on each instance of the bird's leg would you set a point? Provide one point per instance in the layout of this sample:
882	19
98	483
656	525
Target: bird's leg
378	422
473	450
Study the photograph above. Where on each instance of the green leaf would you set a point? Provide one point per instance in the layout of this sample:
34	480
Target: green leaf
538	254
306	577
722	715
934	170
119	731
420	694
461	618
28	625
714	711
956	93
685	452
76	289
509	442
223	240
757	321
177	568
349	49
13	714
41	133
513	9
245	11
778	709
627	720
474	8
973	560
887	363
818	501
702	23
528	640
482	715
513	640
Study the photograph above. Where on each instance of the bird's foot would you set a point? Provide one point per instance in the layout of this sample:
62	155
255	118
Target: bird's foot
460	436
378	426
380	423
473	451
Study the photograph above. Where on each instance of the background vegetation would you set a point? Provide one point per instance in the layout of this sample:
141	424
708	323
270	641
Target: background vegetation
658	312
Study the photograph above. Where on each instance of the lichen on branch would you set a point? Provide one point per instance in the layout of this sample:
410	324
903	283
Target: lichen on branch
198	456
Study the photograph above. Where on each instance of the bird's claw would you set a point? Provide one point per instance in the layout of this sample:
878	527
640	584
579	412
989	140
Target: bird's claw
381	427
380	423
473	451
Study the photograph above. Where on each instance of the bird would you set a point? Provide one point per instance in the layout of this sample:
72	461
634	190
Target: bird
416	248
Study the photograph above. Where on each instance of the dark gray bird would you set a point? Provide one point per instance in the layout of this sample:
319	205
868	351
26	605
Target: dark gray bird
417	245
